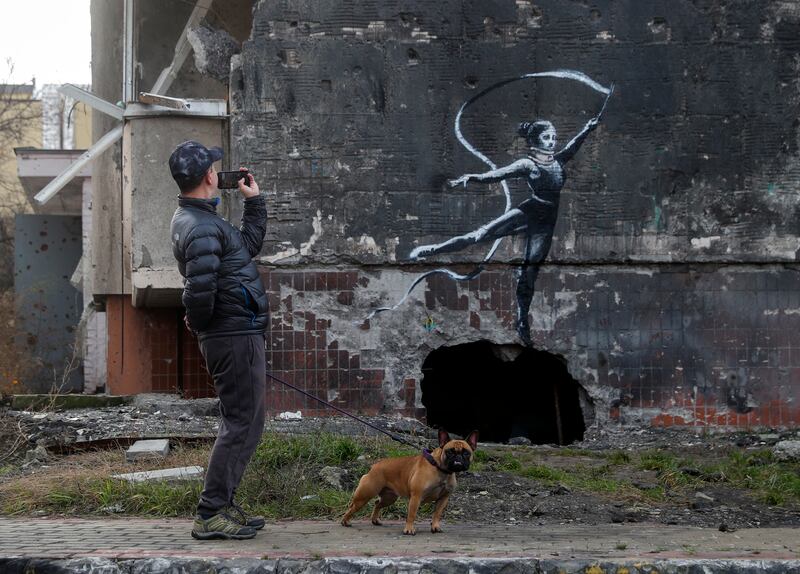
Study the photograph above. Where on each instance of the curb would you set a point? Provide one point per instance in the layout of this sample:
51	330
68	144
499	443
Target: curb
393	566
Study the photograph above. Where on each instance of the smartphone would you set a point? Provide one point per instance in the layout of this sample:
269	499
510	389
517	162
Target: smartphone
230	179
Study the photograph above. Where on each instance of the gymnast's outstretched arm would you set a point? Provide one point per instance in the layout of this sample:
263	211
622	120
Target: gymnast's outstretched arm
575	143
520	168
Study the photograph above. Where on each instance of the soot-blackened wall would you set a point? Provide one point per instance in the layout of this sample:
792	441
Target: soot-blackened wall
668	228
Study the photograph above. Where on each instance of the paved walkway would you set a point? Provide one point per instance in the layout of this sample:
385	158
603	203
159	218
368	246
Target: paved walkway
129	538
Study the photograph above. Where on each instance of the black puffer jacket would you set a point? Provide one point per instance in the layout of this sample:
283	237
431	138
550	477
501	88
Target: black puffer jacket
223	293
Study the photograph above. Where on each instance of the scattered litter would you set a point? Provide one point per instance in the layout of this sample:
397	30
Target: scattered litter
290	416
113	509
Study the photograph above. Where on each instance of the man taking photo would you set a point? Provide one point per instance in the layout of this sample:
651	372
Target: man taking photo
227	309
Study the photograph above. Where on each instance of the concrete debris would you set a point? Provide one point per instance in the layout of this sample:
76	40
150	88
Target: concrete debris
519	440
213	50
66	402
38	454
175	405
167	474
143	449
701	501
333	476
112	509
158	416
787	450
290	416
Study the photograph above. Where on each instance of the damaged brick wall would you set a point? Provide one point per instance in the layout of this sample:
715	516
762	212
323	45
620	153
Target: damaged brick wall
670	286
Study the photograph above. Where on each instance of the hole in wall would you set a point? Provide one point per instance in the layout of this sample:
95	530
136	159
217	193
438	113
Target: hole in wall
504	391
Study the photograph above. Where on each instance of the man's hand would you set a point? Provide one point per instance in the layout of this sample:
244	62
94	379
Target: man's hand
249	189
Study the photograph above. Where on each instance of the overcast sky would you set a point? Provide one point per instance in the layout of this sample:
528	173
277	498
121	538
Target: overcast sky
46	39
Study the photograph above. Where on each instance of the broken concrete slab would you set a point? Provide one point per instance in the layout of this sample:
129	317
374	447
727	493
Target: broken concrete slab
787	450
158	448
213	50
167	474
175	405
66	402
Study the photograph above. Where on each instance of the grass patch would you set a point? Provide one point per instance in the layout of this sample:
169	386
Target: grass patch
773	482
543	473
618	457
769	480
589	478
282	481
503	461
85	487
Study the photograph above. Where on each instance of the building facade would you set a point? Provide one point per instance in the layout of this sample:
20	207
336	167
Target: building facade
418	218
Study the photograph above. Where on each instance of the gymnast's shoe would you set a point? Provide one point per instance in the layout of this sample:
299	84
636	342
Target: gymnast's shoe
524	331
422	252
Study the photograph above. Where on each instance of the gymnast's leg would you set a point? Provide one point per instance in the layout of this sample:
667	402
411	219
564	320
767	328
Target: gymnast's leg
510	222
538	244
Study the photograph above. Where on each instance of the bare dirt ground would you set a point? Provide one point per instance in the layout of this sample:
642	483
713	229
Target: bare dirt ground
615	475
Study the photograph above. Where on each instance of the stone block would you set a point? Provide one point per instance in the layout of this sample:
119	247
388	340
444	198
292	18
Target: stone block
787	450
158	448
168	474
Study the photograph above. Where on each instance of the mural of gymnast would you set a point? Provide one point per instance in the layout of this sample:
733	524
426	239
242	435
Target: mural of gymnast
543	170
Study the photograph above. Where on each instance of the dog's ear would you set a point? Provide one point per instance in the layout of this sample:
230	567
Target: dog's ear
472	440
444	438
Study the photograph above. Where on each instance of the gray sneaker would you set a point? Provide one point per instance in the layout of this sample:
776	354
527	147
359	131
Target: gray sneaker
222	526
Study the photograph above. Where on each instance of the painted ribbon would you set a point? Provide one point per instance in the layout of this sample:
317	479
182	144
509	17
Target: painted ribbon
564	74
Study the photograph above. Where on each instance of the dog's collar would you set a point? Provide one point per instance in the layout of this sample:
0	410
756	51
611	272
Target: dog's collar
429	457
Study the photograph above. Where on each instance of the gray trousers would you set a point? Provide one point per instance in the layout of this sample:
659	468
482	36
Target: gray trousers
238	366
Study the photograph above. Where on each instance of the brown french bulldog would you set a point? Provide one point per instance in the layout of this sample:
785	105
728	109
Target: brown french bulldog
427	477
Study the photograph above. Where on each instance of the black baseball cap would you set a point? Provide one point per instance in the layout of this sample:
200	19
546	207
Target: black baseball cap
190	161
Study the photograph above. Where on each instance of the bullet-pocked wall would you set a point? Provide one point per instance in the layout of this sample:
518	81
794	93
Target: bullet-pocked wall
626	174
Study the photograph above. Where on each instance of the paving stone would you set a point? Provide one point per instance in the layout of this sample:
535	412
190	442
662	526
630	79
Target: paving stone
182	473
142	449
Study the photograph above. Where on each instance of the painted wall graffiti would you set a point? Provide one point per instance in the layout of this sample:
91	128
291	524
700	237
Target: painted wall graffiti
675	253
536	216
